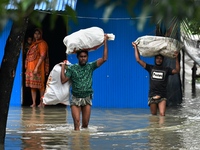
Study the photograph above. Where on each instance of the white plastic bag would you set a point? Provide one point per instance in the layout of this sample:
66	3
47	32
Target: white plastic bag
192	50
153	45
85	39
56	92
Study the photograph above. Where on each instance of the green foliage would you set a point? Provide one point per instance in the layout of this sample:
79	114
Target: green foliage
165	10
194	27
71	16
159	11
3	13
25	8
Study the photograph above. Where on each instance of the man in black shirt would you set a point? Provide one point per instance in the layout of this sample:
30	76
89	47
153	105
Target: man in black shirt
158	81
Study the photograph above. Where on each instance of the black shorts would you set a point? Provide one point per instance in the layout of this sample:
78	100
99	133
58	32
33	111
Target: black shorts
155	101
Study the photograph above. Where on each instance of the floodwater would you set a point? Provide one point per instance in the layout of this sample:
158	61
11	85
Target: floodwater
51	128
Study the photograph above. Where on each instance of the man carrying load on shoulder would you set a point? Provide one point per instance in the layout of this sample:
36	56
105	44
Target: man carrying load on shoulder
81	78
158	81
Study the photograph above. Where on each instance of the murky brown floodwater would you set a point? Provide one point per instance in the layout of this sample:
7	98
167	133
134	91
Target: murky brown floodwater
51	128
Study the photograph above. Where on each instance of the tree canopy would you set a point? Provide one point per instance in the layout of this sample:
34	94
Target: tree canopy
159	11
17	10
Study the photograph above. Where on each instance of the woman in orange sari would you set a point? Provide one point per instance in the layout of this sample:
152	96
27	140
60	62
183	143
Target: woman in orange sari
37	66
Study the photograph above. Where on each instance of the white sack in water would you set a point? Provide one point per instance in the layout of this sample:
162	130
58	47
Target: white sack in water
149	46
192	50
56	92
85	39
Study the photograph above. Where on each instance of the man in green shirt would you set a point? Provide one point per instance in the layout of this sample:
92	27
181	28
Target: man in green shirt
80	76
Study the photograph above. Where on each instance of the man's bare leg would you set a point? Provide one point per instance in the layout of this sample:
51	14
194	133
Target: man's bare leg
162	107
75	110
153	108
86	111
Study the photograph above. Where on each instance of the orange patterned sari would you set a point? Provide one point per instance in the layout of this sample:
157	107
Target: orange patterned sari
37	49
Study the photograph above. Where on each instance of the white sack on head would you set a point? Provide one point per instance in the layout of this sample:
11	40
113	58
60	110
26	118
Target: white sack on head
56	92
149	46
85	39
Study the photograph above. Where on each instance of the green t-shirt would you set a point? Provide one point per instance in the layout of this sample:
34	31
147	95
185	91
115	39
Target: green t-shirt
81	77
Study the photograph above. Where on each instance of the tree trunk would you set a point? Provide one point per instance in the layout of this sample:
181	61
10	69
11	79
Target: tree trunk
7	72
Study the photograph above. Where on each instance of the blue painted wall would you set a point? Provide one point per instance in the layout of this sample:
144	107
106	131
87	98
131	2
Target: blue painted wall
3	38
16	91
120	82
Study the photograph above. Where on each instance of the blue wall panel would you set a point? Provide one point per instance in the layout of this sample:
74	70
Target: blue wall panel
3	38
16	91
16	98
120	82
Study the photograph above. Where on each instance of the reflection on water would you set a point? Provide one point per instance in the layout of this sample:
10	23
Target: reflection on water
35	123
52	128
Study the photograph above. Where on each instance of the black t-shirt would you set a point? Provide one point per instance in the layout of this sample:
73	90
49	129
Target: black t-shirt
158	79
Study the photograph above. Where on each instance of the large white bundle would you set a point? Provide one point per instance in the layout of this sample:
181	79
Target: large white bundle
85	39
56	92
153	45
192	50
